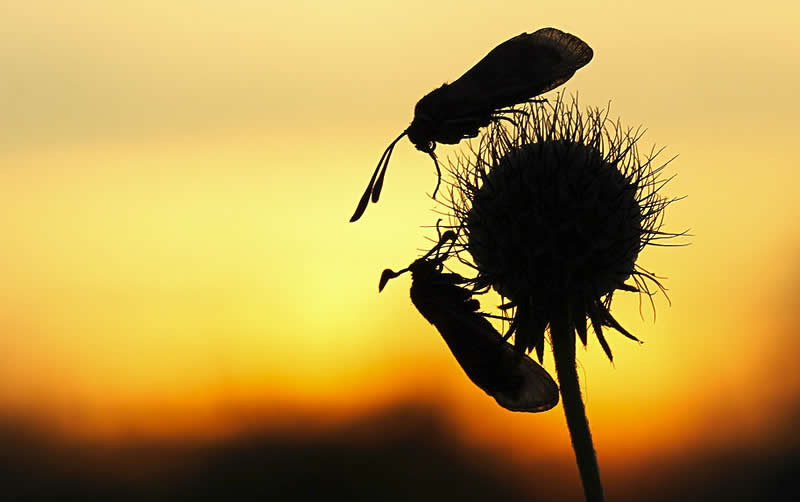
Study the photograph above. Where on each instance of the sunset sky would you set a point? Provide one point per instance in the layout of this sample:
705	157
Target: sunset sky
176	181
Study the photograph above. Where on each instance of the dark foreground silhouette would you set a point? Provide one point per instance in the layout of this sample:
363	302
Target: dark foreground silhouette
403	454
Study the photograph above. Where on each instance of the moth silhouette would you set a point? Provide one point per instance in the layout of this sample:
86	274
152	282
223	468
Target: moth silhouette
515	71
512	378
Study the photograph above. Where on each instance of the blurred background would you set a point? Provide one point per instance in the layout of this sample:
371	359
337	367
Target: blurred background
185	311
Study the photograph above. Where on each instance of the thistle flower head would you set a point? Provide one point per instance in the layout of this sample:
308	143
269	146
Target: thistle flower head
555	208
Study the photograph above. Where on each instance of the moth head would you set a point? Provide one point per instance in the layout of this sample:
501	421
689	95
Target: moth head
422	268
421	133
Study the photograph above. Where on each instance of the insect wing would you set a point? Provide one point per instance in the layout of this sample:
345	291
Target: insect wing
539	391
516	70
513	379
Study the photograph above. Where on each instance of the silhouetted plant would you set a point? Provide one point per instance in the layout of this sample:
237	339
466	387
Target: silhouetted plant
553	210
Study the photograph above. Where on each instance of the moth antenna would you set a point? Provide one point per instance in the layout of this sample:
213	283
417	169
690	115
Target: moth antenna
447	236
372	187
438	230
376	190
451	235
388	274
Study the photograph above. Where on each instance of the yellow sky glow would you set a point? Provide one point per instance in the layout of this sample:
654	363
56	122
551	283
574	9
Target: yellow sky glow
176	180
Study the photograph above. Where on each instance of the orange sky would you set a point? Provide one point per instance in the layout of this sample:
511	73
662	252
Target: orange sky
176	180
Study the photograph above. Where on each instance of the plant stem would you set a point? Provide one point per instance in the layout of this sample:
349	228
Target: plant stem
563	340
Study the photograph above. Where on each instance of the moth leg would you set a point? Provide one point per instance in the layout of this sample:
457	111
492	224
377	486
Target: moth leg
438	173
511	330
507	119
510	110
498	317
482	290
